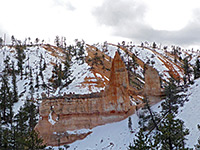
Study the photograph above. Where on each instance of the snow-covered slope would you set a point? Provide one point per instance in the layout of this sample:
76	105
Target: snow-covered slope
86	80
189	113
117	136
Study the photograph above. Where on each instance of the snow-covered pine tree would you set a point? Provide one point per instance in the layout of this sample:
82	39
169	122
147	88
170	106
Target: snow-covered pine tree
14	84
172	132
197	69
66	71
187	70
141	142
20	57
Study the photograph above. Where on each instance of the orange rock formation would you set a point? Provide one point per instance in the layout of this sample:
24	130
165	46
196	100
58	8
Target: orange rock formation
74	112
62	115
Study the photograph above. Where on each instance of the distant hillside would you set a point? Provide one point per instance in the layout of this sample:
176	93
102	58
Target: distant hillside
48	70
88	66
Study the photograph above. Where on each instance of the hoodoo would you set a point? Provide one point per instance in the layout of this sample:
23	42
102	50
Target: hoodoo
61	117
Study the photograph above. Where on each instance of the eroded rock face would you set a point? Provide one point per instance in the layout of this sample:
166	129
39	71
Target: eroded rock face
116	93
61	116
63	119
152	88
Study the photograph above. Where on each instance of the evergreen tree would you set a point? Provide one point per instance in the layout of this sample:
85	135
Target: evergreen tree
20	57
13	40
187	70
197	146
37	81
6	101
60	76
130	124
57	41
172	132
25	121
152	117
57	76
141	142
154	45
37	41
7	68
1	42
31	89
134	63
81	51
66	71
197	69
14	84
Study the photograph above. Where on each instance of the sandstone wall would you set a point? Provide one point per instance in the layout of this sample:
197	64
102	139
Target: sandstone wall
74	112
152	82
59	115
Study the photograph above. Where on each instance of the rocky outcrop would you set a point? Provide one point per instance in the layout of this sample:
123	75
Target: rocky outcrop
116	93
63	119
152	82
63	116
152	88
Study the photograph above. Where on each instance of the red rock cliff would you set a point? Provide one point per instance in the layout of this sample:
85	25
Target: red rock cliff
74	112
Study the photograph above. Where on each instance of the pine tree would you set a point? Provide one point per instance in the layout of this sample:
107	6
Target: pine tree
187	70
57	41
20	57
13	40
130	124
7	68
66	71
14	84
6	100
152	117
25	121
31	89
197	146
141	142
1	42
197	69
134	63
172	132
37	81
154	45
81	51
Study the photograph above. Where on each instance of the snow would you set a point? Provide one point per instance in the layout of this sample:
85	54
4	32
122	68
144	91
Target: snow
98	75
50	119
81	131
190	113
117	135
114	135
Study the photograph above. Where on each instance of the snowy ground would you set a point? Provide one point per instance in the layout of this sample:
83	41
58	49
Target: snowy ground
110	136
117	136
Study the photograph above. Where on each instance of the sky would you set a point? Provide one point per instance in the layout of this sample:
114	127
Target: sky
163	21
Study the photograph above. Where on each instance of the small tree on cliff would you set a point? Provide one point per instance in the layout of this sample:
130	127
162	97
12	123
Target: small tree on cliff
187	70
14	84
154	45
197	69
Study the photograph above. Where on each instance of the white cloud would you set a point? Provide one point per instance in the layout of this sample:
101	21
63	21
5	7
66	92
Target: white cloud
112	20
161	21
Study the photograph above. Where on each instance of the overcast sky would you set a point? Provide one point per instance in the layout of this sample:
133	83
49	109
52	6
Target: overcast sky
162	21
